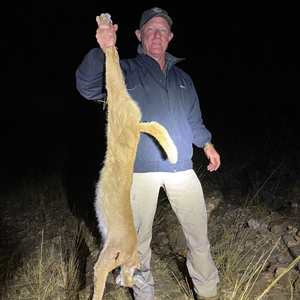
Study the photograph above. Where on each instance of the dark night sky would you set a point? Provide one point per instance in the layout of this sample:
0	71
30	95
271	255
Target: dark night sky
243	57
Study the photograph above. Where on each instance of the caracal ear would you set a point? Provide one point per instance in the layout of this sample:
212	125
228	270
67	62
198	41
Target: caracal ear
138	34
137	275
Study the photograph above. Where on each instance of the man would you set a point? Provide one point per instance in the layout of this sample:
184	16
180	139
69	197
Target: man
167	95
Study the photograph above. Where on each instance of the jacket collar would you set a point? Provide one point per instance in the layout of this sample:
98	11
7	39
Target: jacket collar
172	60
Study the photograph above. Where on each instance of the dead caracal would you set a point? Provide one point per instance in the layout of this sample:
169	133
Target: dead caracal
112	202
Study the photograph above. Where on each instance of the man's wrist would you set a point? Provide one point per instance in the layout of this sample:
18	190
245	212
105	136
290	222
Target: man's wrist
207	144
205	147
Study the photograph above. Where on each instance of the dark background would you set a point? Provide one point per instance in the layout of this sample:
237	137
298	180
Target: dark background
243	57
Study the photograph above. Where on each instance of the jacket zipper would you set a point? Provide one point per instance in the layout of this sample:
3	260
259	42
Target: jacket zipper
169	115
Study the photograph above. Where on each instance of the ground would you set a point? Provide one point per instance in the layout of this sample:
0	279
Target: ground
42	240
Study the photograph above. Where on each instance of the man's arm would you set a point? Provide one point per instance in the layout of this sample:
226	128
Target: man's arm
90	75
201	135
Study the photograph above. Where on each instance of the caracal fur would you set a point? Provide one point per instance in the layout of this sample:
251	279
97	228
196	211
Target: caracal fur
112	202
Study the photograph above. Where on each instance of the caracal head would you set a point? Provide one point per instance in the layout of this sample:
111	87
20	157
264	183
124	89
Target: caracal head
128	279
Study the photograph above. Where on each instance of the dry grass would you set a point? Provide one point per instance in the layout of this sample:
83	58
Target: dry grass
185	287
52	271
40	269
238	269
285	272
49	273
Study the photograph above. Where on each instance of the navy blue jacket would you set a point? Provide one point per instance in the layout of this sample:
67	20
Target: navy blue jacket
170	100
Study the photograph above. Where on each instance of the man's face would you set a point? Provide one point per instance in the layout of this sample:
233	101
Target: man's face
155	36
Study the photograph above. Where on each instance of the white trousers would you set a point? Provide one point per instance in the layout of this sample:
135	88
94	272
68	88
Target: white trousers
185	194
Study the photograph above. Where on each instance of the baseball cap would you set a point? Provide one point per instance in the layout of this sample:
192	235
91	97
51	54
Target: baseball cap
154	12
